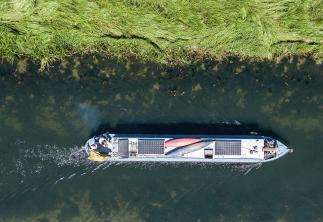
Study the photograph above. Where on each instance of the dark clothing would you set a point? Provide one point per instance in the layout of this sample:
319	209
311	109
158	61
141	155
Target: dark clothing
95	141
102	150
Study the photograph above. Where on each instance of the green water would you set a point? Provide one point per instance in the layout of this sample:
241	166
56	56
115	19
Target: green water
45	117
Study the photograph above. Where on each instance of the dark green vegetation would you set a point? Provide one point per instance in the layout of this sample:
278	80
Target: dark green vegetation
46	115
166	32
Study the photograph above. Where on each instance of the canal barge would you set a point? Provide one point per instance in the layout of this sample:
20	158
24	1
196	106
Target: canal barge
184	148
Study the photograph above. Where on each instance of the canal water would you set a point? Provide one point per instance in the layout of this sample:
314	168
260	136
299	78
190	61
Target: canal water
46	115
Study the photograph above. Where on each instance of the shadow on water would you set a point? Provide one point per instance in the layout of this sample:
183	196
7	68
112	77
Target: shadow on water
45	116
227	128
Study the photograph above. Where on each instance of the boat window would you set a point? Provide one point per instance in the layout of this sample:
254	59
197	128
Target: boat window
227	147
151	146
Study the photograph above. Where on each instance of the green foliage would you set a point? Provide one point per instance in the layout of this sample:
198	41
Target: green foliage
123	212
167	32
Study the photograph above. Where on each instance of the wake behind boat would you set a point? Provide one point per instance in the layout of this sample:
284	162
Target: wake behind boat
185	148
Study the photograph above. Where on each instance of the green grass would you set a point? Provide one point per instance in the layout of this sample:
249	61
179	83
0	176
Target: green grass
163	31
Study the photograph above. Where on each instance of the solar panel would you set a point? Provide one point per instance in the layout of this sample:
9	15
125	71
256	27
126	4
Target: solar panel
123	149
227	147
151	146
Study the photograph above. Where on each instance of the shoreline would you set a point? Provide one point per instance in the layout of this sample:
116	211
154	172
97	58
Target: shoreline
93	61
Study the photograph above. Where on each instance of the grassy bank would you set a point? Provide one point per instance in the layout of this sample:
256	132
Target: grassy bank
161	31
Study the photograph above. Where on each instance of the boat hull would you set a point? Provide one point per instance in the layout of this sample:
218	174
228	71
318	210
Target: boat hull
192	148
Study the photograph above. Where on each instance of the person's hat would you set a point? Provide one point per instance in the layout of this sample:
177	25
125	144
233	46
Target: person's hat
101	140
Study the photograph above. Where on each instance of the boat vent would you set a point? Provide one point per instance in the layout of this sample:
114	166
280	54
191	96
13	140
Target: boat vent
123	149
227	147
151	146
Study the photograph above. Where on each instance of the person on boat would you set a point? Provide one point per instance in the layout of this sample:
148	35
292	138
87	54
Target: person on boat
99	145
103	146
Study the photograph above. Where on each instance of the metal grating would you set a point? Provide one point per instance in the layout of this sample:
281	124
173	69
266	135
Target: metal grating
227	147
123	149
151	146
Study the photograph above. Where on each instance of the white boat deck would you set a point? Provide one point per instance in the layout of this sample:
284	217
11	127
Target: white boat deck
247	145
177	148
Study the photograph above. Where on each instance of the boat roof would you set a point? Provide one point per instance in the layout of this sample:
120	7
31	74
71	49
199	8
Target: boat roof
230	136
